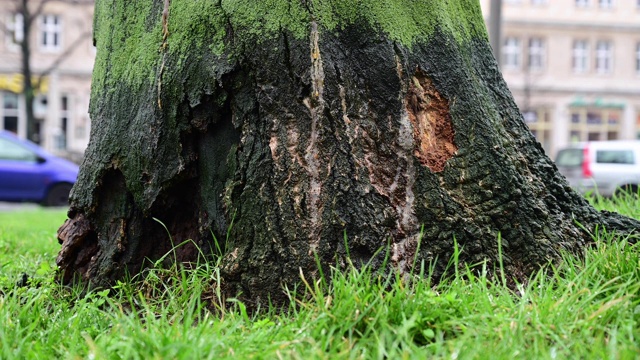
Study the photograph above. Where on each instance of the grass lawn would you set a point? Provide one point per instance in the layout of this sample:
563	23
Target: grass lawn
586	308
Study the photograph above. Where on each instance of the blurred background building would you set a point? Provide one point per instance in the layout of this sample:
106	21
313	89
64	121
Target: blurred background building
573	67
61	59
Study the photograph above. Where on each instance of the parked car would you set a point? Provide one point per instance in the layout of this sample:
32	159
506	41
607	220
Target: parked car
602	167
30	174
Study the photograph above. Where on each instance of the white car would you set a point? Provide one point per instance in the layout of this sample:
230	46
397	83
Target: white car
602	167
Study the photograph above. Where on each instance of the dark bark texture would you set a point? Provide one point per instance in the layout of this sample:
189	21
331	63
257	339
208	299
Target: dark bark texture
292	143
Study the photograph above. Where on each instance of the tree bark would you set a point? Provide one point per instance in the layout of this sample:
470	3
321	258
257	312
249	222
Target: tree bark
294	124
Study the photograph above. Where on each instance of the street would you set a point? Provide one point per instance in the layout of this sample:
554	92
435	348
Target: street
8	206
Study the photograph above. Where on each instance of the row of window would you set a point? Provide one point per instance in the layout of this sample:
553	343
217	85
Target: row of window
49	32
603	4
512	53
533	2
581	56
586	124
10	115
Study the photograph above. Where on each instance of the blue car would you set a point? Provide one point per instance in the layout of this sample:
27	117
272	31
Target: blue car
30	174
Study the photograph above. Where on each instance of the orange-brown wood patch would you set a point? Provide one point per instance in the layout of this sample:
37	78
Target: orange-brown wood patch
432	129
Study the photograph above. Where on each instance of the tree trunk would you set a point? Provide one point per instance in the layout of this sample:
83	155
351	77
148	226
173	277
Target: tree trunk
25	58
295	124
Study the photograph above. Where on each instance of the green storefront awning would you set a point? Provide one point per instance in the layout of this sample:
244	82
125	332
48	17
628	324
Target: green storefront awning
597	103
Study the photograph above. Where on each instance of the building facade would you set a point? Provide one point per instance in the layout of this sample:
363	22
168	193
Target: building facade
62	57
573	67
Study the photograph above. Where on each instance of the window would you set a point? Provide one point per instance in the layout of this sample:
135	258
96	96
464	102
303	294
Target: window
638	57
536	53
582	3
14	30
570	157
10	111
605	4
580	56
604	57
614	157
61	138
40	106
81	127
50	33
593	123
15	152
539	122
511	53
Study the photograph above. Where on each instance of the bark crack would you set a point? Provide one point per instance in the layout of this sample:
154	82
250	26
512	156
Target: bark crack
163	47
315	104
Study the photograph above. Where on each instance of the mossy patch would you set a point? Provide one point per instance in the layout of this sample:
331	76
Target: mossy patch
265	18
405	21
196	24
129	34
127	41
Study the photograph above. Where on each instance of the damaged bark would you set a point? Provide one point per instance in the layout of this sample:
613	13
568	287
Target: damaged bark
291	136
432	129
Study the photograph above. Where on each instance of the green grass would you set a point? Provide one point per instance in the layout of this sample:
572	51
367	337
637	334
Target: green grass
28	242
586	308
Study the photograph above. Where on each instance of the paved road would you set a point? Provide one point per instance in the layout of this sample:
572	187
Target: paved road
6	206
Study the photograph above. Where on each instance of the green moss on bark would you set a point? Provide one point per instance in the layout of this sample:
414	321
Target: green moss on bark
264	19
129	34
406	21
196	24
127	41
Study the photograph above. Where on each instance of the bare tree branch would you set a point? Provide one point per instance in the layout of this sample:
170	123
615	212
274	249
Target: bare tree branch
54	65
34	15
3	25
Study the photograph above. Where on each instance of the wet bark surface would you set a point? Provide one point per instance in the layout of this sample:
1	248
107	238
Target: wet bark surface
298	143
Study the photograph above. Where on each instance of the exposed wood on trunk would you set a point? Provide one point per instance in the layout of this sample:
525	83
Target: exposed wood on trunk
431	121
